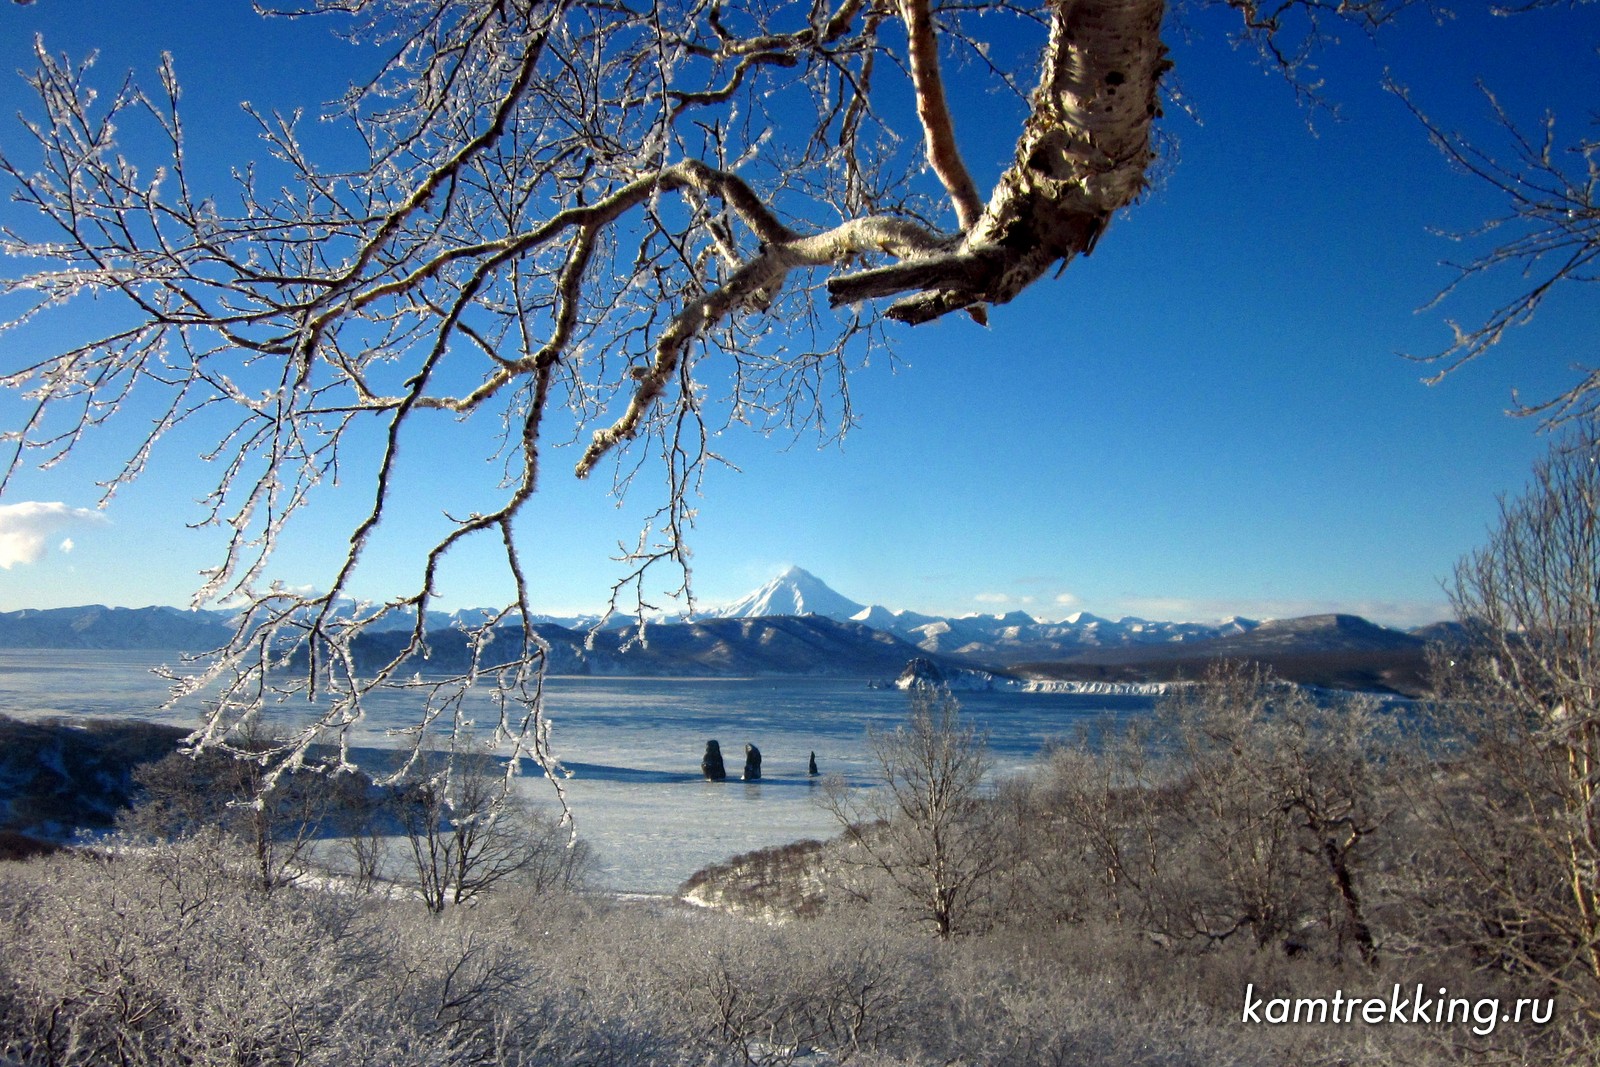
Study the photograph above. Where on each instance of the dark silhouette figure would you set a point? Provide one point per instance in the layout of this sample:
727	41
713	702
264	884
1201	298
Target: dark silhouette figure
811	769
752	763
711	763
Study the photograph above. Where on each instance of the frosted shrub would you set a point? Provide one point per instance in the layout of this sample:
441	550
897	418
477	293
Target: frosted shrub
223	794
734	990
1020	1008
468	986
162	957
172	954
1248	810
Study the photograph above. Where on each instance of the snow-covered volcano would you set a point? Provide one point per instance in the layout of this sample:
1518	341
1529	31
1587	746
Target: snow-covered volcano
794	592
1010	638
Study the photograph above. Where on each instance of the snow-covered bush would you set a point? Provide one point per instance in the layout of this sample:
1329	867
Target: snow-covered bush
166	957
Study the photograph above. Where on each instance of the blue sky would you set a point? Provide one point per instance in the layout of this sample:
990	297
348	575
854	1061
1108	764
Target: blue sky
1209	416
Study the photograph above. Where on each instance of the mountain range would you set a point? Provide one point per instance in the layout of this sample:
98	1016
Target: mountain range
797	624
1333	650
1014	637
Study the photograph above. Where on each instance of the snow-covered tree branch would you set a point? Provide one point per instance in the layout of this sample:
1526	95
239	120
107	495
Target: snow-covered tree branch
610	228
582	219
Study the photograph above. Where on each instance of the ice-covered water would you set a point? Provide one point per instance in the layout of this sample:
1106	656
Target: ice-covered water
633	746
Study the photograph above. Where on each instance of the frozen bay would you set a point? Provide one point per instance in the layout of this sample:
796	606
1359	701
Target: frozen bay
633	747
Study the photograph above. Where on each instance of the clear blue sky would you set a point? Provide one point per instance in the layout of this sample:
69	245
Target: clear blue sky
1207	417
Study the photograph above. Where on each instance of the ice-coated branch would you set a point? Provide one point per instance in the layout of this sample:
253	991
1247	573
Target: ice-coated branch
1547	235
574	225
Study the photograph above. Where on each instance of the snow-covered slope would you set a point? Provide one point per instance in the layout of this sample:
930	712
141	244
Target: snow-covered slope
794	592
898	622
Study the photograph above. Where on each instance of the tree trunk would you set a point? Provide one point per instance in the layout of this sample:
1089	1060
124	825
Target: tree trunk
1344	882
1082	156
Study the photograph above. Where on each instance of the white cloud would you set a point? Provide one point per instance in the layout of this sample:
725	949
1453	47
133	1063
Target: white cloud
998	599
1066	599
27	528
66	544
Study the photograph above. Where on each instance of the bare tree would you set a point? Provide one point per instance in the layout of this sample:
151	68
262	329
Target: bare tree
922	823
1327	772
467	834
569	222
1516	799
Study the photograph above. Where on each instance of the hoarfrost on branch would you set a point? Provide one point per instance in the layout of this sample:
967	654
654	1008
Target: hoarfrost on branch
609	227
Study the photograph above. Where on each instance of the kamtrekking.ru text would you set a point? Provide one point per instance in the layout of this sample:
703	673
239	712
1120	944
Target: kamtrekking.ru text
1415	1007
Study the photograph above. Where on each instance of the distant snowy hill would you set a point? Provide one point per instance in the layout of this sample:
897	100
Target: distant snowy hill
472	617
100	627
774	645
1331	651
1017	636
899	622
